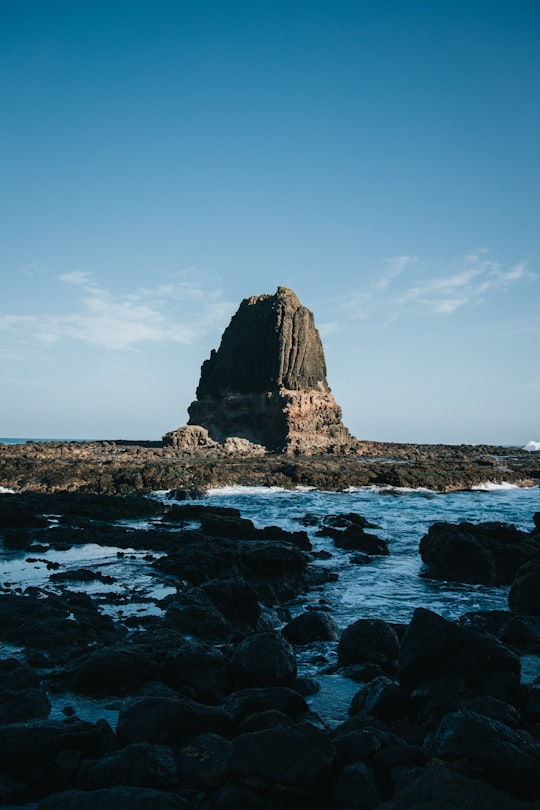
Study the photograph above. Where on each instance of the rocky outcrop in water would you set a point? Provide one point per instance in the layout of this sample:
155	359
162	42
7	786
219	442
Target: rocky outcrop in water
267	383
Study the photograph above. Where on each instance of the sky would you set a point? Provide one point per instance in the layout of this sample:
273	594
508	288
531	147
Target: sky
160	161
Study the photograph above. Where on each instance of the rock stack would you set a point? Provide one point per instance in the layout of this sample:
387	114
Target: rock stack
267	383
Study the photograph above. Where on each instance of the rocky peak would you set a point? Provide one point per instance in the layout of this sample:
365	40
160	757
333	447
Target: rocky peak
267	382
270	343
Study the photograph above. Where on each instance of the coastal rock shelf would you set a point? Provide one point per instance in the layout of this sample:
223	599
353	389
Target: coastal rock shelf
139	466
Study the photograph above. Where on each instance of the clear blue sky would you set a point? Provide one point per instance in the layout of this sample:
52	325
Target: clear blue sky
160	161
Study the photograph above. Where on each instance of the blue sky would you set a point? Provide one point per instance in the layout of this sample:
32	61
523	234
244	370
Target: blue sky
160	161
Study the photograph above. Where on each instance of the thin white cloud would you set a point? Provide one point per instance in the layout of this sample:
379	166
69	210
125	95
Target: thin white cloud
394	268
179	312
478	277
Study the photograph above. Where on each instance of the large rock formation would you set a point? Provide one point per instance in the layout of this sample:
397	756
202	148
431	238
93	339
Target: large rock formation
267	382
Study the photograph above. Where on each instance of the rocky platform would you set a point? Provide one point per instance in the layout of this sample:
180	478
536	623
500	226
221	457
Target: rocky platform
210	713
138	466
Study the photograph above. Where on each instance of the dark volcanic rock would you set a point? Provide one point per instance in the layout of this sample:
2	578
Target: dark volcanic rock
139	764
265	659
313	625
371	641
297	760
524	596
267	382
487	749
439	788
121	797
21	697
168	720
485	553
476	663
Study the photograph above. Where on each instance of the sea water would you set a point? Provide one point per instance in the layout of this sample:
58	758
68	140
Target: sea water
389	587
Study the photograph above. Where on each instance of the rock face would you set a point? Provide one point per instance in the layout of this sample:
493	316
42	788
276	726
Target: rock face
267	381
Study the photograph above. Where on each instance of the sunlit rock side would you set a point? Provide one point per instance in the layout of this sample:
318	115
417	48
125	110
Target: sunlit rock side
267	383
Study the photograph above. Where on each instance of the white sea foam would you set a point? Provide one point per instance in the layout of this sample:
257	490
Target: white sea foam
239	490
6	491
533	447
491	486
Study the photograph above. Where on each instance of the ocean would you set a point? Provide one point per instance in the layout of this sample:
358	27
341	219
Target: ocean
388	587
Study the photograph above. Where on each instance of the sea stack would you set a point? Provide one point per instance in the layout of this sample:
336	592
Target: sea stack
267	382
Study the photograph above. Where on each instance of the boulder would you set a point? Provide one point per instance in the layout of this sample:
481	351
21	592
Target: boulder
36	742
382	698
312	625
138	764
371	641
108	671
21	696
356	788
434	648
281	699
440	788
524	596
168	720
296	761
484	554
203	764
488	749
116	798
264	659
198	670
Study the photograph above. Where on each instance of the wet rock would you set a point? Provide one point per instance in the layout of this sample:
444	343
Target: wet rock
529	703
236	600
247	702
203	764
345	520
487	749
297	760
312	625
116	798
356	788
139	764
485	553
194	613
524	596
496	709
440	788
107	671
168	720
21	696
522	633
39	741
197	670
261	721
234	797
356	539
382	698
53	622
371	641
434	648
264	659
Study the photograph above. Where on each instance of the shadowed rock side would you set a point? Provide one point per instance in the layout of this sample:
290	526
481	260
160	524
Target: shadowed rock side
267	382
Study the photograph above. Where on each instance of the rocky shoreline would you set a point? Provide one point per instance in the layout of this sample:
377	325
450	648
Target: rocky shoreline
209	710
119	467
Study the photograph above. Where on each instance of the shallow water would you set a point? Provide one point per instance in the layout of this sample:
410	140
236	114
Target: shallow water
388	587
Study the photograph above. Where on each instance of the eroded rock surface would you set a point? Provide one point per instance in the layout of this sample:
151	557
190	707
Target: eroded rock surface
267	384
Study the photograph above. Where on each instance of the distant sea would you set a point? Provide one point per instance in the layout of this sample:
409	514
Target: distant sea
19	440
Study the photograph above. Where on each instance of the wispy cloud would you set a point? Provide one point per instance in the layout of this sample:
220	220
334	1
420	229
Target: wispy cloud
179	311
477	276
